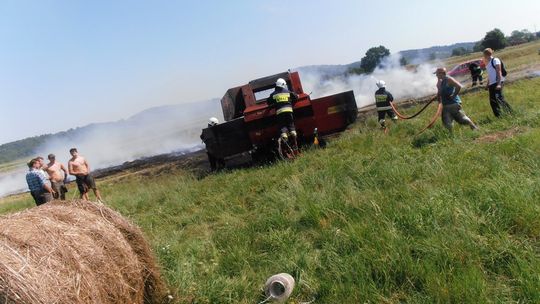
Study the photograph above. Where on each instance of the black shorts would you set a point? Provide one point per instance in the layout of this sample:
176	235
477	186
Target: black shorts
85	182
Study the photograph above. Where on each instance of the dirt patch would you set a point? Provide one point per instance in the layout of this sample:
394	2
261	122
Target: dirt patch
494	137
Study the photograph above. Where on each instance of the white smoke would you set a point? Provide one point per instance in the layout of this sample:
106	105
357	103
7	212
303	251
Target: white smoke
167	129
13	181
177	128
402	82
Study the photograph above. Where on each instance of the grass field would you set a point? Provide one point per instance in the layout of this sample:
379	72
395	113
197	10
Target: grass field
373	218
7	167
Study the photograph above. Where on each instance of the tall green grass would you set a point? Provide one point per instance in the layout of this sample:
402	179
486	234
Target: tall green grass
373	218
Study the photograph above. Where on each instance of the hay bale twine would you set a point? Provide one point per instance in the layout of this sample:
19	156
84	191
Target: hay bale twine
75	252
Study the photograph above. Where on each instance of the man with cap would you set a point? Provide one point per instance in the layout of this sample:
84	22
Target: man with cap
447	92
57	177
383	98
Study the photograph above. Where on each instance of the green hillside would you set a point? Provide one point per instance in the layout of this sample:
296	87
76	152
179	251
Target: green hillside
373	218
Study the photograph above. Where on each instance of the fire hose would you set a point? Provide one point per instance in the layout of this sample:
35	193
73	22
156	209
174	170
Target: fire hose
412	116
433	119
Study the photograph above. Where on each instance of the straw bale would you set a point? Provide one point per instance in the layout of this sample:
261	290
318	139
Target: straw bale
75	252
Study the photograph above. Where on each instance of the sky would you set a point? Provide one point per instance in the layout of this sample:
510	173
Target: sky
69	63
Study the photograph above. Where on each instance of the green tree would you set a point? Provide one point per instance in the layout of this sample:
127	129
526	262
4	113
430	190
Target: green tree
495	39
373	58
517	37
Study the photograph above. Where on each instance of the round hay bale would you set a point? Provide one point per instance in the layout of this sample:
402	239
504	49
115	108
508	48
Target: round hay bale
75	252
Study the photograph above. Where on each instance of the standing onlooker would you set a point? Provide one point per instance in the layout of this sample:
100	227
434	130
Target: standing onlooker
495	83
38	183
476	73
54	169
447	90
383	98
79	167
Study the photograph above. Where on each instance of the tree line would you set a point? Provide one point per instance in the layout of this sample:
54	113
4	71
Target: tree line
494	39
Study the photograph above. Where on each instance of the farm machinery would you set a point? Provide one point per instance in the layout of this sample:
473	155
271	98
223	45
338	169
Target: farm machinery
250	123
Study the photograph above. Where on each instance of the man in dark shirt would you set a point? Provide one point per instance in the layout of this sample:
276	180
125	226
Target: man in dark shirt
476	73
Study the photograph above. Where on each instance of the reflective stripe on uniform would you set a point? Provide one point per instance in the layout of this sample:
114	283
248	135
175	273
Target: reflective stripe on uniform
380	98
284	109
384	108
282	97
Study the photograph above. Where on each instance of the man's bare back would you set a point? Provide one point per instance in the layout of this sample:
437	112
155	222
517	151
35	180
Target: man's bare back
78	165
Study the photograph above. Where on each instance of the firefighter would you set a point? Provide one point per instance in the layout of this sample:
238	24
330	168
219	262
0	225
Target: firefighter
215	162
283	100
476	73
383	98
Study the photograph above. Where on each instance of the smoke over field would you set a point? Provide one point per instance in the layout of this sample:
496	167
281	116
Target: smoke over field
176	128
401	82
166	129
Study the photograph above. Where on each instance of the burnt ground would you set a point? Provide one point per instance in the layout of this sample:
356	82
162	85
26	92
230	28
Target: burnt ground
196	162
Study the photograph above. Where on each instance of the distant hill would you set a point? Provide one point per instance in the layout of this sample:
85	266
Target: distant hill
162	119
439	52
415	56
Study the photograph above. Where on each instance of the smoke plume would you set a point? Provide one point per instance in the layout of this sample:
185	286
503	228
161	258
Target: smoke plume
166	129
402	82
177	128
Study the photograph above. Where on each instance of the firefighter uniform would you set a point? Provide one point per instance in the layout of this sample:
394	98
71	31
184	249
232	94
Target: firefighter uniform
383	99
283	100
476	73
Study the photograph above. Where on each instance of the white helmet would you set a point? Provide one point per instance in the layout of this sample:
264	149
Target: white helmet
280	83
381	84
213	121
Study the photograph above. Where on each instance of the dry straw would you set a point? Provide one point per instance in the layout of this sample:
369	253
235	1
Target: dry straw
75	252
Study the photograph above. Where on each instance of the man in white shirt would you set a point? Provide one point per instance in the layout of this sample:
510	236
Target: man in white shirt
495	84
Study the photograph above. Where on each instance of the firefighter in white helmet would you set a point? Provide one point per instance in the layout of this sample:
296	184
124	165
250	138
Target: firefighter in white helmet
209	138
212	121
283	100
383	98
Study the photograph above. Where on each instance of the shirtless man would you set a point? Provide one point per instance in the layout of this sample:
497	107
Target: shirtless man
57	177
79	167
